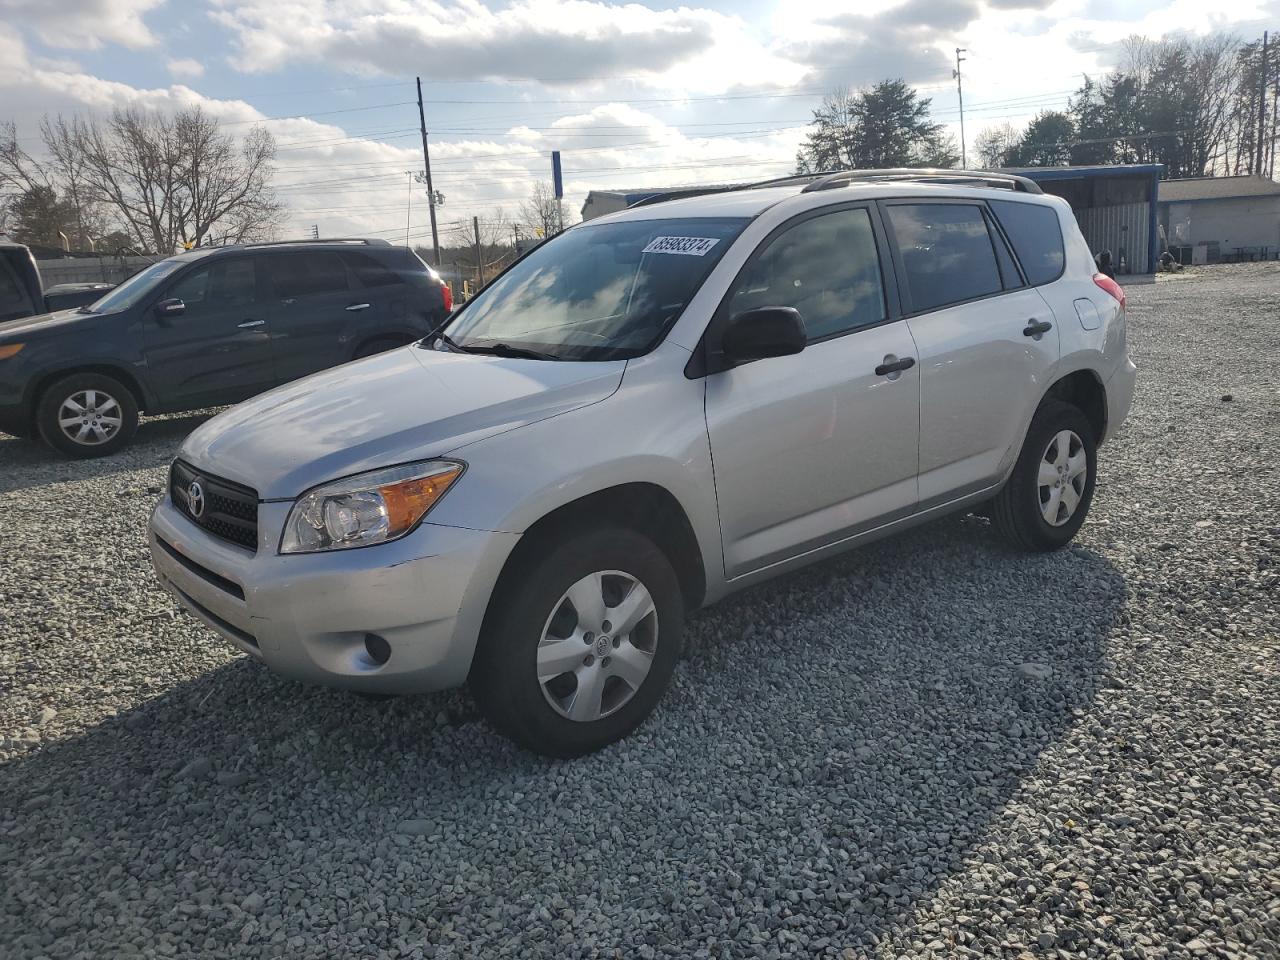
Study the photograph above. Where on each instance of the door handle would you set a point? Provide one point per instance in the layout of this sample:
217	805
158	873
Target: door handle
358	306
250	323
1036	327
892	366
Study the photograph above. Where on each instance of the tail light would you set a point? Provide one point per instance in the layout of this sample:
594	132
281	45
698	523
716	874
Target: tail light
447	293
1110	286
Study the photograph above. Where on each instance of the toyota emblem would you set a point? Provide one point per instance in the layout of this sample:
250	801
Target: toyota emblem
195	499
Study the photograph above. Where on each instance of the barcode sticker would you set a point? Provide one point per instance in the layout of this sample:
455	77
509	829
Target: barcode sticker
686	246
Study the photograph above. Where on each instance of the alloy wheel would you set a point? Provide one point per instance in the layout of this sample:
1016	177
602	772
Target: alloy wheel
597	646
90	417
1063	473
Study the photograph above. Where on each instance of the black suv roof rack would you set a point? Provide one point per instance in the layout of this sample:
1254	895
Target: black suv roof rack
977	178
369	241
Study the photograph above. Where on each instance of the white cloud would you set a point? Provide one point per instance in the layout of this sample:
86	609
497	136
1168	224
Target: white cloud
84	24
185	67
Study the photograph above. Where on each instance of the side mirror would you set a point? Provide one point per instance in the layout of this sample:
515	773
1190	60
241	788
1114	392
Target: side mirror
763	332
172	307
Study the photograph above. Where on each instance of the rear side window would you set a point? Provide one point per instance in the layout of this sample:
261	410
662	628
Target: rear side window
369	271
826	267
1036	236
13	297
946	251
306	274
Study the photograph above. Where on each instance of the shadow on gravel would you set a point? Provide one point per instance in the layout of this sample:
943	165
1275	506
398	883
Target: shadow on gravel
40	464
834	745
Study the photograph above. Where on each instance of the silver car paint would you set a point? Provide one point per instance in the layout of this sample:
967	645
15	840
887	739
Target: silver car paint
812	454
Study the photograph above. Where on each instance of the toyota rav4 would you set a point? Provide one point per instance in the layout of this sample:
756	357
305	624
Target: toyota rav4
642	415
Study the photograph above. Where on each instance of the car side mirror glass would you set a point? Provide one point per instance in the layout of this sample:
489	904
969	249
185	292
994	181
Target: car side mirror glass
763	332
173	307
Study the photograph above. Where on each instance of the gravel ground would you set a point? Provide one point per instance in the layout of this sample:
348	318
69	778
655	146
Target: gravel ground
932	747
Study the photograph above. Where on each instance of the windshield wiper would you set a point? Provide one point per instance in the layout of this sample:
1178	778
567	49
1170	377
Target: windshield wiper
84	309
505	350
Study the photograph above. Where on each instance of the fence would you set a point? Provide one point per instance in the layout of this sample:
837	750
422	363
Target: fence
90	269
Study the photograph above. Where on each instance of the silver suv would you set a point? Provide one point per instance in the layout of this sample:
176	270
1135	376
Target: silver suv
642	415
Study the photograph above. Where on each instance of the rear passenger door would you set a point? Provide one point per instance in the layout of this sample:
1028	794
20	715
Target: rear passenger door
813	448
987	342
312	301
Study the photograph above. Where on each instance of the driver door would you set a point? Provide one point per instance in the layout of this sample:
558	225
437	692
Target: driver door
217	350
813	448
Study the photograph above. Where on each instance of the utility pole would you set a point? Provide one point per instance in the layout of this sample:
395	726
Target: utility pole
1262	103
431	192
964	156
408	209
475	226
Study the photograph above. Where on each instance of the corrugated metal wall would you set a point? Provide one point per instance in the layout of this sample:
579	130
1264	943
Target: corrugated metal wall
1122	228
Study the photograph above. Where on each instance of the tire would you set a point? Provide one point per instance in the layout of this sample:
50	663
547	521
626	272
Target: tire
93	406
1058	435
532	603
381	345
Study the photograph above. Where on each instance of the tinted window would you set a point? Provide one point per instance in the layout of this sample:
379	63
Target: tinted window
826	267
369	271
222	285
1036	236
946	253
1008	269
598	292
13	298
306	274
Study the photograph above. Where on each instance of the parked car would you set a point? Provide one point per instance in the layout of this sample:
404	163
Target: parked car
206	328
21	291
644	414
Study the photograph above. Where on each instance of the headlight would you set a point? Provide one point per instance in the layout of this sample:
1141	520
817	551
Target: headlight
366	509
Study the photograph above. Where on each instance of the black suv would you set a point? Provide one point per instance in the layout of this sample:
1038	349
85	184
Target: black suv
207	328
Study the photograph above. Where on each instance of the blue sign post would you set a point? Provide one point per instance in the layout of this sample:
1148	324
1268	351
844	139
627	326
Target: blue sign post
557	179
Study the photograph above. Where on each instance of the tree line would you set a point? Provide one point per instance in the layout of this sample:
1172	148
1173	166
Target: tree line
138	181
1200	106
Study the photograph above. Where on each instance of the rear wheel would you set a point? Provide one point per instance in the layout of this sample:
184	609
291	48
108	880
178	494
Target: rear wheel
1047	497
580	643
87	415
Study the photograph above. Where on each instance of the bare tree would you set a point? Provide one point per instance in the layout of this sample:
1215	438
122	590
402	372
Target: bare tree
167	181
996	144
543	213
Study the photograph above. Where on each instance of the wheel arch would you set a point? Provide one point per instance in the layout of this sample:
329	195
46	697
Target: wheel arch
45	380
1084	390
648	508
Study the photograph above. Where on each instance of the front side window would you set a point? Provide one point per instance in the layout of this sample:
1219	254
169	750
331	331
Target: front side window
826	267
222	285
946	253
136	287
306	274
1036	236
598	292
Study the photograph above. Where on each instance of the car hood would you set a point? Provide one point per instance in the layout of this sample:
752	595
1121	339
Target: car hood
44	323
404	405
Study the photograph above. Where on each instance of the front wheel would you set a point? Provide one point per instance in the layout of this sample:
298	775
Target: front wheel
580	643
87	415
1045	501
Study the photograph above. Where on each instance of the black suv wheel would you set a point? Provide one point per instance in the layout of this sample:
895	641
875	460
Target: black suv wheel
87	415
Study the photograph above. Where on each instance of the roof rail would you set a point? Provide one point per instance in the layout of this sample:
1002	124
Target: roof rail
981	178
368	241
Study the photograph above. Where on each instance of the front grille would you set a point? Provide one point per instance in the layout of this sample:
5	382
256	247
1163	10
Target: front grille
203	572
230	510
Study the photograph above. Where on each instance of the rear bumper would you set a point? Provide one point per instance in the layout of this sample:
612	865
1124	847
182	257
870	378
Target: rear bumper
306	616
1120	395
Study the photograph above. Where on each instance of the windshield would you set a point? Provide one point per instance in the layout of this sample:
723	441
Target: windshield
135	288
604	292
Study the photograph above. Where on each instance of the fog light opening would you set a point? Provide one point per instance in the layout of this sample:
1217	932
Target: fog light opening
377	648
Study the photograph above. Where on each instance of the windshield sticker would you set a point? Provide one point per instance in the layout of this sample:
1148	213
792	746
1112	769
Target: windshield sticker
687	246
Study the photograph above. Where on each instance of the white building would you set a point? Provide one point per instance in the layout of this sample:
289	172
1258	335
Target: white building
1221	219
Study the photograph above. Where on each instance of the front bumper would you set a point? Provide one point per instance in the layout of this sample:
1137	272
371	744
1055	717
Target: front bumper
307	615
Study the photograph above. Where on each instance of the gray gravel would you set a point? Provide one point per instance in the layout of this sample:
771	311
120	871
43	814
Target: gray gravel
932	747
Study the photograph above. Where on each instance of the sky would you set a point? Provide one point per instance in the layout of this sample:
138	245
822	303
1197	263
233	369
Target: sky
633	94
